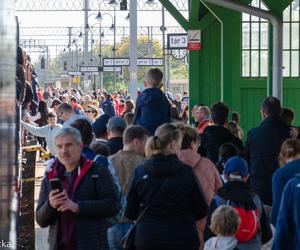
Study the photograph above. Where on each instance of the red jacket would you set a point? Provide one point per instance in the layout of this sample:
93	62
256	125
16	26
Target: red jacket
203	125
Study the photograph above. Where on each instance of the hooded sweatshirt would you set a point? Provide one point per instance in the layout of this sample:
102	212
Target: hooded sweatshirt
221	243
152	109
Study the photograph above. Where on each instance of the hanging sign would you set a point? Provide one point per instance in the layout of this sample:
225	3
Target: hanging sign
194	40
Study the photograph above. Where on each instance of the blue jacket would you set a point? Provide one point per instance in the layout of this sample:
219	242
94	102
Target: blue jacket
287	235
279	180
91	155
152	109
262	150
109	108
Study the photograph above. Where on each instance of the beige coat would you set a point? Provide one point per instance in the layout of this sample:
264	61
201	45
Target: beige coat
125	163
208	177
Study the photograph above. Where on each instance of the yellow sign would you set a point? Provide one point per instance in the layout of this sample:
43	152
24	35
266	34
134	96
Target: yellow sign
76	79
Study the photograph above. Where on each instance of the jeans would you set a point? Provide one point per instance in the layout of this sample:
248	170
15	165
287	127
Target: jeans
115	234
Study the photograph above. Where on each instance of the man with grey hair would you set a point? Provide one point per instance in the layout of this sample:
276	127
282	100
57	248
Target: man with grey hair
67	114
76	196
203	118
152	106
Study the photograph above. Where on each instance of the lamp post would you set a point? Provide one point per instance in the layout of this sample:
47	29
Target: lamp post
99	18
112	27
86	40
163	30
114	4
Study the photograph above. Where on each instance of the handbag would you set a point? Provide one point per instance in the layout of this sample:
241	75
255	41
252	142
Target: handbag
127	242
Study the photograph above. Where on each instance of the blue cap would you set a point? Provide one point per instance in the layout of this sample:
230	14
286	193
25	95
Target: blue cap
236	164
99	126
116	122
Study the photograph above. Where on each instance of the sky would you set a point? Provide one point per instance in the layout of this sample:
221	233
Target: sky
76	19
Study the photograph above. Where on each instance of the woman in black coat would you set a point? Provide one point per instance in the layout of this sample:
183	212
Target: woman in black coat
169	222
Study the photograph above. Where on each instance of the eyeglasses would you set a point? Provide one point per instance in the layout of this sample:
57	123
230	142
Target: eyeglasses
88	111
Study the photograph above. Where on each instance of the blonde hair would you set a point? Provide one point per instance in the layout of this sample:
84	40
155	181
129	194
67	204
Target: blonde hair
163	136
225	221
290	149
189	135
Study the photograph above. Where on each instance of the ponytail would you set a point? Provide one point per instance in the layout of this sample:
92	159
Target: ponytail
153	146
164	135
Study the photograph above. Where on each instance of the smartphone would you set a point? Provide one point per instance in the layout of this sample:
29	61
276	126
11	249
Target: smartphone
56	184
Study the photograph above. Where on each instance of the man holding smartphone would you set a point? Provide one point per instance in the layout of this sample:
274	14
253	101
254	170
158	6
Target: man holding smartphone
75	198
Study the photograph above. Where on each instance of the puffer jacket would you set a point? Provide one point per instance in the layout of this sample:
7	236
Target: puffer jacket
97	197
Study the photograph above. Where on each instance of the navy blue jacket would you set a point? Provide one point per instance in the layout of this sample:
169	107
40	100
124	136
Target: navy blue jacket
109	108
152	109
170	219
287	234
279	180
261	151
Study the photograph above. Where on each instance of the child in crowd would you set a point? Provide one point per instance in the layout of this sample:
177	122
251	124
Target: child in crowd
254	229
224	224
152	106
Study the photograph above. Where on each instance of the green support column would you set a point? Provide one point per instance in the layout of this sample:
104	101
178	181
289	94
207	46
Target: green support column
194	57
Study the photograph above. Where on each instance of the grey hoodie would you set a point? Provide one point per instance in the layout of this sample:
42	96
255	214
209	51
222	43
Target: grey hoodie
221	243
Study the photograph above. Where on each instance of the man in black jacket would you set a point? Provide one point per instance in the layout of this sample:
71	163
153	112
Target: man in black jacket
263	146
75	215
216	135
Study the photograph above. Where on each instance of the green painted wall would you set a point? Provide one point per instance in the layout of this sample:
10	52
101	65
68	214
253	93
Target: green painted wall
221	28
210	64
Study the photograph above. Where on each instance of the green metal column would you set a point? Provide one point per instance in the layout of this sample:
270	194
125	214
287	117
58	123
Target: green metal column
194	57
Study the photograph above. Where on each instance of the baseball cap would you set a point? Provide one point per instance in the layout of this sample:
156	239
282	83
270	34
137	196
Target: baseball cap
99	126
236	164
55	102
116	122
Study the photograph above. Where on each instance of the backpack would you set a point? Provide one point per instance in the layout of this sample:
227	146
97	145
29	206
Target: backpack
249	216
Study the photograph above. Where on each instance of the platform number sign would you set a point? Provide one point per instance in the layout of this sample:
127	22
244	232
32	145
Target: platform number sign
177	43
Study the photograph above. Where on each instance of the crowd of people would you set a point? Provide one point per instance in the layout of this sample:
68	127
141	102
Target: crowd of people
146	168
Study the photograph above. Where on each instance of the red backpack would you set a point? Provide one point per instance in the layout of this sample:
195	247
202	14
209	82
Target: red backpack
249	216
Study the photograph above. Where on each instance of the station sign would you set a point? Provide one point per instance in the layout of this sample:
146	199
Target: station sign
177	41
116	62
150	61
74	73
64	76
126	62
90	69
111	69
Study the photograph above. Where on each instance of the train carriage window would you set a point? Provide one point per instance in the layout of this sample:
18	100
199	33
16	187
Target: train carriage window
255	43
